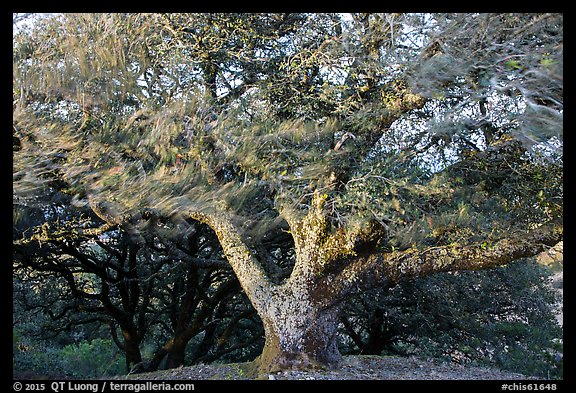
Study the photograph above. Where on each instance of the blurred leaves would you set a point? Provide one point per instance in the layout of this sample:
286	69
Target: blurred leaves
441	128
172	110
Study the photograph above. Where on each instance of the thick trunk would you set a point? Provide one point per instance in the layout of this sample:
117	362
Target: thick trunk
300	316
300	332
171	355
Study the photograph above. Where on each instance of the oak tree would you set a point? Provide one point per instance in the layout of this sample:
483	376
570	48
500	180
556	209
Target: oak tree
385	145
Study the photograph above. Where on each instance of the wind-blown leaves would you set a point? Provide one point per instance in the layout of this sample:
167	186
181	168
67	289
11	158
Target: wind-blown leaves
168	110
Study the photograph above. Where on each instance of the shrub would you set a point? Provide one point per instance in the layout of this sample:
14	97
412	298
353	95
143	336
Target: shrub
85	360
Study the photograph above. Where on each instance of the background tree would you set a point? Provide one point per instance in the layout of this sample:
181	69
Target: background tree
389	150
130	286
502	317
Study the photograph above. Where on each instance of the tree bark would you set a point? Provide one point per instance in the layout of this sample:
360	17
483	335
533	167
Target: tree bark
300	332
300	327
301	315
247	269
176	353
173	352
132	350
367	271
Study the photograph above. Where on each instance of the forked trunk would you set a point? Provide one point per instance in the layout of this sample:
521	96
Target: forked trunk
300	316
299	324
176	354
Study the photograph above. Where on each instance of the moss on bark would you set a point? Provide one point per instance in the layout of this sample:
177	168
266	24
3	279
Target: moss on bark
300	315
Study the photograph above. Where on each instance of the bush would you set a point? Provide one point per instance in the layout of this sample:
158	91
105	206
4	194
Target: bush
98	358
95	359
35	359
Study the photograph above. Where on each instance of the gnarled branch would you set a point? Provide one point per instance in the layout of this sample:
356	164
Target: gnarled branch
372	270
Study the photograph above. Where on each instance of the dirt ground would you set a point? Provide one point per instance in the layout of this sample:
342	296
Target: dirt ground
351	368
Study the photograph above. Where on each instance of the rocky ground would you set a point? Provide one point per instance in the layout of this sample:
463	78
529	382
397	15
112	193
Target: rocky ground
351	368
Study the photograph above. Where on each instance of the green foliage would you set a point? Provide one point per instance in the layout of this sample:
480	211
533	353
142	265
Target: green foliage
84	360
97	358
136	113
501	318
167	110
493	53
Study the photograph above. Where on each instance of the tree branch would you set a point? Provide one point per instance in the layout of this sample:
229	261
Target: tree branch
251	275
388	268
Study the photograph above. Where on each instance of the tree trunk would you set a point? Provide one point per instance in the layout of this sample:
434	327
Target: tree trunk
300	316
171	355
300	332
132	352
176	353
